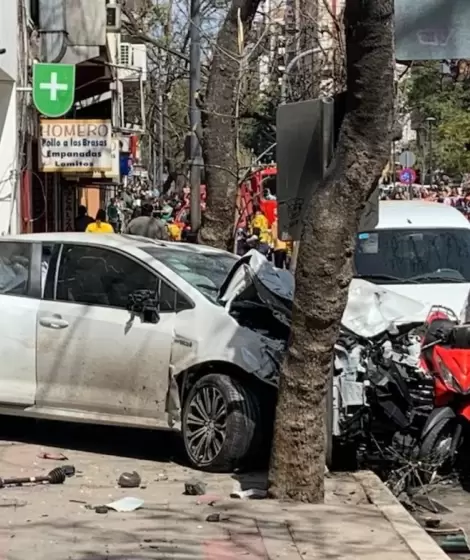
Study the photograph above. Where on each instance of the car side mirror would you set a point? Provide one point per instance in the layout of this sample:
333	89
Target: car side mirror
145	304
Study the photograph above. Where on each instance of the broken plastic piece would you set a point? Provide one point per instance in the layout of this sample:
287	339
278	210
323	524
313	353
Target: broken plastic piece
126	504
250	494
52	456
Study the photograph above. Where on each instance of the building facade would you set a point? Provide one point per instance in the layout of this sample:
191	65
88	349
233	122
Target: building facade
9	141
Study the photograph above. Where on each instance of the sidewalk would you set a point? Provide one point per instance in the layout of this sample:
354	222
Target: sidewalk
360	519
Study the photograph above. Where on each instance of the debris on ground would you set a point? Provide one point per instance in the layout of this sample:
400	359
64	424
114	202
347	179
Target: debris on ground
101	509
195	487
208	500
56	476
216	517
12	503
129	480
450	538
126	504
69	470
430	504
52	456
250	494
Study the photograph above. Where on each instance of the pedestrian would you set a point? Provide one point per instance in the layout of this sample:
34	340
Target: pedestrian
280	247
100	225
113	215
147	225
82	220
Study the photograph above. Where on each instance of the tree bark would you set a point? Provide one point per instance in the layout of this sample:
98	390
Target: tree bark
218	141
324	267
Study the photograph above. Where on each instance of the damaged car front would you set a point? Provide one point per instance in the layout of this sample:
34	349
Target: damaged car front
226	351
381	396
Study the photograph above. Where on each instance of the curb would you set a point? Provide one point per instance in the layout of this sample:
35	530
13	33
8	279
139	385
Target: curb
418	541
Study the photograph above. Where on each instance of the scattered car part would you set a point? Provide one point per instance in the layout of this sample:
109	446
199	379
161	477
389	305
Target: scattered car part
56	476
195	487
52	456
129	480
126	504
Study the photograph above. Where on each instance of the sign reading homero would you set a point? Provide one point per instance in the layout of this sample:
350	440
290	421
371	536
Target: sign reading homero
53	88
76	146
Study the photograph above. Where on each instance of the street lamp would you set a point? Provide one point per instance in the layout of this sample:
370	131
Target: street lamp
430	122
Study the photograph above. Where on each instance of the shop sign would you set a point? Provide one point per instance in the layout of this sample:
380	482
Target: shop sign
76	146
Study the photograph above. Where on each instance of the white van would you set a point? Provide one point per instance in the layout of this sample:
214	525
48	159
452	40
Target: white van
420	250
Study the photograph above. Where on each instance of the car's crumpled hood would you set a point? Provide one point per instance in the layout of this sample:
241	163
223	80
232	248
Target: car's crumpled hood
372	309
259	297
254	278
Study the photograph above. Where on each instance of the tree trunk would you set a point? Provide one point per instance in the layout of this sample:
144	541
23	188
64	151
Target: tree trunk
218	141
324	267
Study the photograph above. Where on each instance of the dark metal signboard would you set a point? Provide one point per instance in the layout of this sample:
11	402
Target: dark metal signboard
306	133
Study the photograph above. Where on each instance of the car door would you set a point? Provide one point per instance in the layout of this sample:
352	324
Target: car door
19	304
91	354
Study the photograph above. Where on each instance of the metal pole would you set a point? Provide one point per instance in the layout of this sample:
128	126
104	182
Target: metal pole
195	114
430	121
431	178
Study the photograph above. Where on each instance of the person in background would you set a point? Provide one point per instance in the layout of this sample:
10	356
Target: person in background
147	225
259	227
100	225
83	220
113	215
174	230
280	247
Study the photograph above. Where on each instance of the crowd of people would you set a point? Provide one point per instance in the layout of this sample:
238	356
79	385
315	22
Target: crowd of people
140	213
444	192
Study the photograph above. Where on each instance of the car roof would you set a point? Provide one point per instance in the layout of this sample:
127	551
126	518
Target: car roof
112	240
419	214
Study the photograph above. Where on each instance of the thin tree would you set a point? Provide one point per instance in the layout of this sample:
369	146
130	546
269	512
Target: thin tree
219	135
324	266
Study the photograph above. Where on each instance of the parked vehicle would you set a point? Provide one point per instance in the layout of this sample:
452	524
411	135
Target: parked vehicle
420	250
118	329
446	355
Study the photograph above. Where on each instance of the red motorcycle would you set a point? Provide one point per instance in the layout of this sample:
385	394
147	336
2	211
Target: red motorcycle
445	355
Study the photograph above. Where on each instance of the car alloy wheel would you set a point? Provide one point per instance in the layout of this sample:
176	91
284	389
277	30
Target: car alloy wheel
206	425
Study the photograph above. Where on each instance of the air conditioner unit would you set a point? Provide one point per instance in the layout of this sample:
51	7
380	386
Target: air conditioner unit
134	56
113	17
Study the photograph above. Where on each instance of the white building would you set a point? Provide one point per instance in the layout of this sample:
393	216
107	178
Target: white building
9	168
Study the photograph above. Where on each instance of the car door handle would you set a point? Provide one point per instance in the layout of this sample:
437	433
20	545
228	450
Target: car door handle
53	322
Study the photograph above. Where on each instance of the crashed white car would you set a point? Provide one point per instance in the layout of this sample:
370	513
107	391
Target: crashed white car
118	329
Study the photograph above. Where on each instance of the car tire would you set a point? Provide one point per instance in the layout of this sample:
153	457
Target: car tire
222	410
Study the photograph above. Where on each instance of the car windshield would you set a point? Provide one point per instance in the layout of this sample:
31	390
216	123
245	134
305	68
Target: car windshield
407	256
204	271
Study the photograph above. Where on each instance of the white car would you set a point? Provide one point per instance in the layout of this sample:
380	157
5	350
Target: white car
117	329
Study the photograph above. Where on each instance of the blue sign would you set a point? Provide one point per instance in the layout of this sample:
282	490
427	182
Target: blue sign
408	176
125	164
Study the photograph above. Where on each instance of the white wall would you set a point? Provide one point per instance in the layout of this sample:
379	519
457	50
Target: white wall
9	172
8	39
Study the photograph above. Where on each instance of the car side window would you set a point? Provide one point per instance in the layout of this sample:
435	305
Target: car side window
96	276
15	268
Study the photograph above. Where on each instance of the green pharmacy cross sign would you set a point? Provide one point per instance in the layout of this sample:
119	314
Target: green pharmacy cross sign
53	88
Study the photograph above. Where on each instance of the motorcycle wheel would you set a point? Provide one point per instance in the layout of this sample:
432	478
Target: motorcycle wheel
438	449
